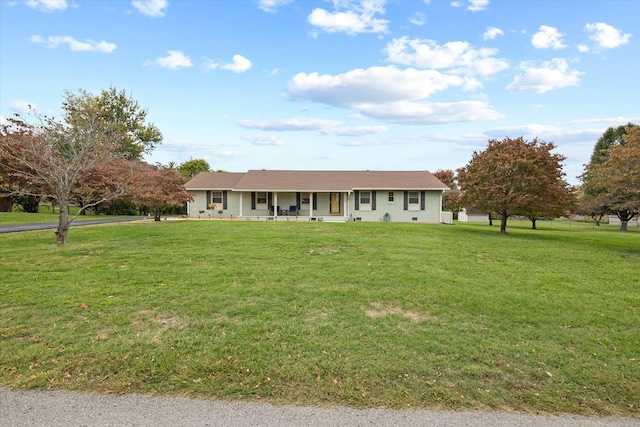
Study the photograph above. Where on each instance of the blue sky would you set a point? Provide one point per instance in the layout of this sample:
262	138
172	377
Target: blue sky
329	85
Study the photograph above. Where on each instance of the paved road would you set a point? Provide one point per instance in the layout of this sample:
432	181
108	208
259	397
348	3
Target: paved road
58	409
13	228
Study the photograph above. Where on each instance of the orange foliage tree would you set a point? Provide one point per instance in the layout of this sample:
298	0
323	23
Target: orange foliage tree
514	176
159	187
616	179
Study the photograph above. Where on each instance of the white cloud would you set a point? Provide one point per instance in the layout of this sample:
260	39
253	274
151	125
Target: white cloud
47	5
272	6
75	45
264	140
554	74
391	94
606	36
323	126
354	130
358	17
175	59
371	85
547	37
240	64
418	18
294	124
608	121
492	33
477	5
152	8
457	57
407	112
23	107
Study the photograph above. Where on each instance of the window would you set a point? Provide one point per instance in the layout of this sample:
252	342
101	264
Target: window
261	200
304	198
392	197
365	197
414	201
216	197
365	200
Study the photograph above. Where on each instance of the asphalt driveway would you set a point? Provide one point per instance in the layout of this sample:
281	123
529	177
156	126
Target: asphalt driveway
14	228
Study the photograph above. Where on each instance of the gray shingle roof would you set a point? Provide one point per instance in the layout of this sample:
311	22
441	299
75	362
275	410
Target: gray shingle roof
315	181
214	181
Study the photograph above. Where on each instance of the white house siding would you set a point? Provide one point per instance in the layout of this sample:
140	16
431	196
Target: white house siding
200	203
395	209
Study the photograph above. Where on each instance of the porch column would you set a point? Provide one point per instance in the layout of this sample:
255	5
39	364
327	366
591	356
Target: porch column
310	205
345	203
241	193
275	204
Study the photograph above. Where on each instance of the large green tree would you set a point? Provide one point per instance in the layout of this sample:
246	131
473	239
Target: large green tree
123	115
514	176
193	167
615	179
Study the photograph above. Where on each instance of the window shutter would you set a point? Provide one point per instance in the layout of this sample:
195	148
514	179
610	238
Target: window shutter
422	201
269	200
224	200
208	199
373	200
315	201
253	200
406	200
298	200
357	200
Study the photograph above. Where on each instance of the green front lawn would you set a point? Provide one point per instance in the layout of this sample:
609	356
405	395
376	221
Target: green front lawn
357	314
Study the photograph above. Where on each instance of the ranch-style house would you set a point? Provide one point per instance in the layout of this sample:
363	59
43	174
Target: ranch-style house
295	195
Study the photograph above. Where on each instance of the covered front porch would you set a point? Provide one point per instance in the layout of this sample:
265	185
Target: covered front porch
294	206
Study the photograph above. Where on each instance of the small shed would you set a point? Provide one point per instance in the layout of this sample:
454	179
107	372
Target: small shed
614	220
472	215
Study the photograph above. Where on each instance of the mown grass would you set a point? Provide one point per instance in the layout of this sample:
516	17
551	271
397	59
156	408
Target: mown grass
358	314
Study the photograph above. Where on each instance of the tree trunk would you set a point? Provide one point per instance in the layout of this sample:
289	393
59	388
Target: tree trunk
63	224
533	223
625	217
157	213
6	203
490	219
503	223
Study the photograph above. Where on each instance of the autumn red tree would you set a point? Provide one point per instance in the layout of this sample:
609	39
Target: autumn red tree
616	179
159	187
55	159
514	176
450	199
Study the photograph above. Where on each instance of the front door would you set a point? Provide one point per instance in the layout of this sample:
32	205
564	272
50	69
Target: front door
335	203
